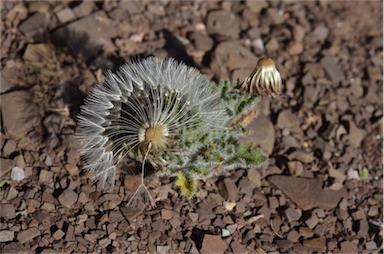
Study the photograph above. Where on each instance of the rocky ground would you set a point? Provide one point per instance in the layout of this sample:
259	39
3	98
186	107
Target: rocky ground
322	190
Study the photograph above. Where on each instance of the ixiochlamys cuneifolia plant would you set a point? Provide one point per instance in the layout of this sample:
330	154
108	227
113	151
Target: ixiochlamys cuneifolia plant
168	114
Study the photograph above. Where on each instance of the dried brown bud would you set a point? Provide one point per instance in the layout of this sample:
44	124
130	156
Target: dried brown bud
264	80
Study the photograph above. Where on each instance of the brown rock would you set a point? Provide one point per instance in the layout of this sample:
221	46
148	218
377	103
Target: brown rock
223	23
232	55
254	177
72	169
7	211
298	33
316	244
201	41
363	228
292	214
356	135
9	147
295	48
213	244
6	236
81	32
307	193
15	247
300	155
68	198
45	176
6	166
228	189
27	235
65	15
312	221
263	137
287	120
238	247
194	216
36	24
58	234
166	214
348	247
332	69
293	236
295	168
20	114
84	9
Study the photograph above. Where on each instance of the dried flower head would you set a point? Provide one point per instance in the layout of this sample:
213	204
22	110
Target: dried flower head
264	80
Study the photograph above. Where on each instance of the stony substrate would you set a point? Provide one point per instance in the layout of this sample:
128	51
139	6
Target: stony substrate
322	190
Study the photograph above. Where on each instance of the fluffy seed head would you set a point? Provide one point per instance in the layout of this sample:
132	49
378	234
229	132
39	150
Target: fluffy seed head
264	80
150	102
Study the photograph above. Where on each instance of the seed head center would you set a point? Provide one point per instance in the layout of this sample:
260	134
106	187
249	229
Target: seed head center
156	134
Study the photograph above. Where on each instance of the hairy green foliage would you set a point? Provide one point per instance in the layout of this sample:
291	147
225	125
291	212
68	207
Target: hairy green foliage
204	153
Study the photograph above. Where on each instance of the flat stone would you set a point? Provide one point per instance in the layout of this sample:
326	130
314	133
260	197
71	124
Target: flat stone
230	56
175	222
201	41
254	177
312	221
237	247
371	245
256	6
295	168
193	216
262	137
272	45
27	235
166	214
45	176
6	166
7	211
307	193
223	23
292	214
356	135
36	24
363	228
302	156
295	48
6	236
163	249
213	244
228	189
298	33
348	247
293	236
15	247
9	147
65	15
332	69
316	244
59	234
84	9
287	120
68	198
321	32
82	37
20	114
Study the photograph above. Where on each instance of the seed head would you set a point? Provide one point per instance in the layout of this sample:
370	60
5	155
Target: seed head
142	105
264	80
